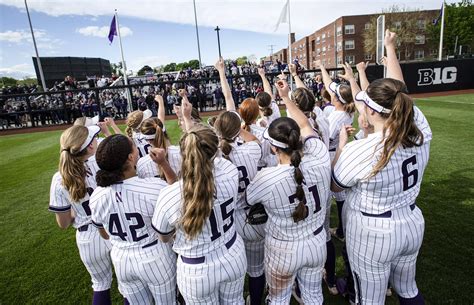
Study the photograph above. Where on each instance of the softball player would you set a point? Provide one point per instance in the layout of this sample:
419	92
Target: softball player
382	175
133	122
198	211
295	195
69	199
122	208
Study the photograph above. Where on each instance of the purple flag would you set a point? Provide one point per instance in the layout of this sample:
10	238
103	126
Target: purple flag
113	30
435	21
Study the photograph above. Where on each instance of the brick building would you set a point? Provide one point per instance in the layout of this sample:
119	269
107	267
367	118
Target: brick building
343	40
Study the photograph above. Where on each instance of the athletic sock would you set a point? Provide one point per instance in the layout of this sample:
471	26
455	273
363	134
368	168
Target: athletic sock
340	231
330	264
101	298
256	288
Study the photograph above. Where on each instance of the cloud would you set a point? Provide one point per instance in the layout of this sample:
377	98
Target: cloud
103	31
18	71
249	15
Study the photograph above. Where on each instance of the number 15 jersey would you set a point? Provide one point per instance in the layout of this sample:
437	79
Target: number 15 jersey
396	185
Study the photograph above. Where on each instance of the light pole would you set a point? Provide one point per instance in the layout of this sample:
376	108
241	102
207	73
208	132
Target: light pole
217	29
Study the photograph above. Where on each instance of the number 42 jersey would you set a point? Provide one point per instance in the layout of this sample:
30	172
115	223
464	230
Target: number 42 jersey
396	185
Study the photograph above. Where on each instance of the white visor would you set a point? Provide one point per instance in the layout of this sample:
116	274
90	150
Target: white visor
93	131
335	89
272	141
362	96
92	121
146	115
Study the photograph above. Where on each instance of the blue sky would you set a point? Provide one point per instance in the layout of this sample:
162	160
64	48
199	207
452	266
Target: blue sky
159	32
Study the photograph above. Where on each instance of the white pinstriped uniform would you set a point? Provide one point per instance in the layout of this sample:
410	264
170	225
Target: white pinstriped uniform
146	167
295	250
142	144
145	267
268	158
384	228
267	120
93	250
246	157
336	120
211	267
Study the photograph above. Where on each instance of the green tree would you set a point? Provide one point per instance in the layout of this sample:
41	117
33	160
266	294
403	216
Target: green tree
170	67
144	70
8	81
458	22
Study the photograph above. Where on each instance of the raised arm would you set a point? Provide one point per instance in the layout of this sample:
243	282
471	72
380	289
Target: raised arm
229	100
299	83
296	114
393	66
349	76
364	81
186	109
161	108
266	84
326	78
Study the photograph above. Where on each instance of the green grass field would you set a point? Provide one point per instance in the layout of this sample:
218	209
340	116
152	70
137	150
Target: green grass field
40	264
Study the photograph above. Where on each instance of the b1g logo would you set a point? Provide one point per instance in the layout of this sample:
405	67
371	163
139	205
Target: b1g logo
437	76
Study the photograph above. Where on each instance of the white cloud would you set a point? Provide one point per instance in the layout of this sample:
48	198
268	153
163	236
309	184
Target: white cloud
103	31
18	71
250	15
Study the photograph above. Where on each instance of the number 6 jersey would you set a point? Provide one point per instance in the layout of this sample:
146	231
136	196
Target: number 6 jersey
396	185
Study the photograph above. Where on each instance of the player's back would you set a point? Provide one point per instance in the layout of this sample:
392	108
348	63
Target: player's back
396	185
125	211
275	188
219	228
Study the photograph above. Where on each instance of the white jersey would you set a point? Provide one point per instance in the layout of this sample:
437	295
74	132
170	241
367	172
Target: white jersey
125	211
323	124
337	119
60	200
146	167
268	158
245	156
217	230
396	185
141	144
275	188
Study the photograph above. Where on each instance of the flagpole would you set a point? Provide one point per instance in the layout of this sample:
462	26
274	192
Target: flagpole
125	77
289	43
440	53
38	61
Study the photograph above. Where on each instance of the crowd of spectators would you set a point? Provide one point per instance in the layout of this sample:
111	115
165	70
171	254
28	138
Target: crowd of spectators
203	87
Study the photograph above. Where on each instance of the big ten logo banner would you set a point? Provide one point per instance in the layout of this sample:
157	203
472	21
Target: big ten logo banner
437	76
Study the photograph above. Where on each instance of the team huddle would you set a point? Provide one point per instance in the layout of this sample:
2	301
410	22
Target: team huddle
176	223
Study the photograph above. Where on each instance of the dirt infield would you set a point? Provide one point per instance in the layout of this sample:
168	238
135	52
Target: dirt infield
210	113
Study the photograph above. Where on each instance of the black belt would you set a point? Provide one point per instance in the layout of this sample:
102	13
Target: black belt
150	244
83	228
201	259
387	214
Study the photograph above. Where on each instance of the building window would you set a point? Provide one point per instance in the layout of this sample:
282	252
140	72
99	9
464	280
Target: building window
368	26
339	46
397	25
419	54
323	38
349	29
339	60
350	59
349	44
421	24
368	56
420	39
339	31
